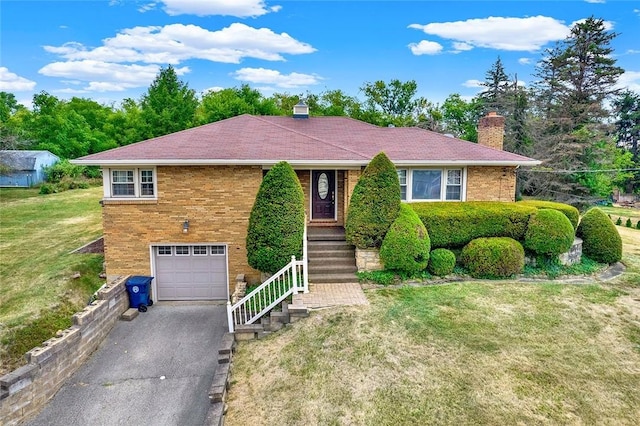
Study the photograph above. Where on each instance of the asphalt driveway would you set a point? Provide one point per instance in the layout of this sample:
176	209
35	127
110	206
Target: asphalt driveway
154	370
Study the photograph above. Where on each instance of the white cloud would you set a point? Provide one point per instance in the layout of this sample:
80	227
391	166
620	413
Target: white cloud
105	76
425	47
514	34
175	43
11	82
461	46
632	52
630	80
595	1
238	8
524	61
473	84
147	7
273	77
213	89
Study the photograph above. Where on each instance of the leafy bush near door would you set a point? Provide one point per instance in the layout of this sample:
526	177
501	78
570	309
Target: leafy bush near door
276	223
406	246
375	204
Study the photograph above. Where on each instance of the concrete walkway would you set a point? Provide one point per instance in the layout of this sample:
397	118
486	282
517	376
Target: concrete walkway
154	370
327	295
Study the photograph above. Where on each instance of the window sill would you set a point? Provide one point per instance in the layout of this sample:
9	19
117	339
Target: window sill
116	201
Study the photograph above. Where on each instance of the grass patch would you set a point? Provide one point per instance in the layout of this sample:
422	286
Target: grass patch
462	353
38	233
552	268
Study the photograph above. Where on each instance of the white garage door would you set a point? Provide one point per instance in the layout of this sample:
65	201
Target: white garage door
191	272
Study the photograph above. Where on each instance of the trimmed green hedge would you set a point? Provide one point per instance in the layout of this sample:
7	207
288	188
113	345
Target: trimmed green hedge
570	212
276	223
375	204
549	233
499	257
406	246
600	238
453	225
441	262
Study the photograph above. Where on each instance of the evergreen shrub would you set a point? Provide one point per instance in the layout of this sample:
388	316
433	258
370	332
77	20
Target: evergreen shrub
600	238
375	204
638	225
406	246
276	223
441	262
619	221
497	257
628	223
569	211
549	233
453	225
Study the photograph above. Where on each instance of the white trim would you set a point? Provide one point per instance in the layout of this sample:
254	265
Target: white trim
335	193
299	164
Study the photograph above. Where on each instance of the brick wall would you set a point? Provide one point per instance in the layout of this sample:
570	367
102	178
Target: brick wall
491	184
216	200
25	391
491	131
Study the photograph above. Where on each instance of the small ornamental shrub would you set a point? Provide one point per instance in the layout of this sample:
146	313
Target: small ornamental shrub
276	223
569	211
549	233
638	225
441	262
453	225
619	221
374	205
628	223
600	238
406	246
498	257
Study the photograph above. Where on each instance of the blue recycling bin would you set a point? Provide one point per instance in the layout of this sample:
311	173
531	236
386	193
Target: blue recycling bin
139	289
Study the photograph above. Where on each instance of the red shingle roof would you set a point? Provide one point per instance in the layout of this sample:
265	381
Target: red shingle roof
328	141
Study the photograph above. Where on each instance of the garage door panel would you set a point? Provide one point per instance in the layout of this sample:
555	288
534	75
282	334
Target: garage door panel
192	276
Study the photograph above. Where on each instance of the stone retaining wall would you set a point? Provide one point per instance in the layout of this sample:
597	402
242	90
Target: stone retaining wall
25	391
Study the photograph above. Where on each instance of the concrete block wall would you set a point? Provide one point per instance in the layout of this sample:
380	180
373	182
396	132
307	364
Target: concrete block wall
25	391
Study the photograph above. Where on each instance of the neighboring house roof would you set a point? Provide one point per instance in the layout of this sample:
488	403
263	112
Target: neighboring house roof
22	160
315	141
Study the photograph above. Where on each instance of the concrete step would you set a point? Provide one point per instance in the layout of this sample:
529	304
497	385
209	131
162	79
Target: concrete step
325	254
319	262
333	278
333	268
325	233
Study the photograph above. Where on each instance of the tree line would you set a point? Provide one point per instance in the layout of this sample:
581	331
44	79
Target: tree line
572	117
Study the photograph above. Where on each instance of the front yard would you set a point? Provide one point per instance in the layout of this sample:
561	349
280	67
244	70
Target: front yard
461	353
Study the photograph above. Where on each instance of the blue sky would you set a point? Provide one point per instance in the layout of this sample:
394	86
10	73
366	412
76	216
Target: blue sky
111	50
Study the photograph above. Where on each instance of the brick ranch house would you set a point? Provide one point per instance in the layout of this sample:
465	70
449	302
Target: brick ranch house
176	207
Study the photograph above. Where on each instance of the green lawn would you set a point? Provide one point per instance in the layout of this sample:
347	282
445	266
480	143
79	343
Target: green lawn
37	234
462	353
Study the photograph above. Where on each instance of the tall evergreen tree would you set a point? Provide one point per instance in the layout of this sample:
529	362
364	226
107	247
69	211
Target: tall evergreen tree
576	77
628	132
169	105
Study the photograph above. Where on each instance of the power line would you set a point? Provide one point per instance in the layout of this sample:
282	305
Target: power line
579	171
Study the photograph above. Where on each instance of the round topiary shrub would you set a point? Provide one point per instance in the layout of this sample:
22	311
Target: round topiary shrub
276	223
600	238
441	262
406	246
628	223
375	204
497	257
638	225
549	233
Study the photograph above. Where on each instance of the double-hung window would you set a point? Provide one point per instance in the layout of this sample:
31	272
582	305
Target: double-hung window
431	184
130	183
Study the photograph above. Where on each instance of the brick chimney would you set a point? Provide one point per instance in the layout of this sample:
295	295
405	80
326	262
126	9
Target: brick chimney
491	130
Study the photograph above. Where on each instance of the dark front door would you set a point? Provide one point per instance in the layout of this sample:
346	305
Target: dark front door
323	197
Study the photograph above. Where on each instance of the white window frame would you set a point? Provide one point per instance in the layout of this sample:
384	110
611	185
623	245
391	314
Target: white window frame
178	250
443	183
107	176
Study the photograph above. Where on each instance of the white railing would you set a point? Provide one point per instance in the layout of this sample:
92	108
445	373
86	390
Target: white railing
270	293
